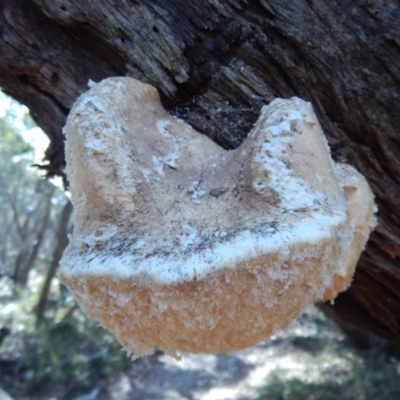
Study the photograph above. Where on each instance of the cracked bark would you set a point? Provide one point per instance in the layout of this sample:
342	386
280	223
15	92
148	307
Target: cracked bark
215	64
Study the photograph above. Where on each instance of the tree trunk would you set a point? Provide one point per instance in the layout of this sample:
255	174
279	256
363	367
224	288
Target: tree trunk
215	64
31	237
61	242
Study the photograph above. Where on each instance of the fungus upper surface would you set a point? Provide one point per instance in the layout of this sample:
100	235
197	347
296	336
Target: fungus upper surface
159	205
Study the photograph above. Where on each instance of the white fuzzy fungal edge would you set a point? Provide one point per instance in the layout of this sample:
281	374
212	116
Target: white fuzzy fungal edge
179	268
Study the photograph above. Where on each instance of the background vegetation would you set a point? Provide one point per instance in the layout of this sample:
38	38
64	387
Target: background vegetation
46	344
328	365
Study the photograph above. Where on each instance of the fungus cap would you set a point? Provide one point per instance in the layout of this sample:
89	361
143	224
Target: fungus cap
182	245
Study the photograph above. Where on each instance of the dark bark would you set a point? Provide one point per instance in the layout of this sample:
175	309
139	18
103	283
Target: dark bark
215	64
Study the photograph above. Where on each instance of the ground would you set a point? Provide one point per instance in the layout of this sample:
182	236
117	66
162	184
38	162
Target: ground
312	360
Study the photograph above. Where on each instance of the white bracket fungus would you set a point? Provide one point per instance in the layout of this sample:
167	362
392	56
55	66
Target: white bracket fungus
183	245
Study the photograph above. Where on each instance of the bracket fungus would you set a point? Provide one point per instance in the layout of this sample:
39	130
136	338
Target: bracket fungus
182	245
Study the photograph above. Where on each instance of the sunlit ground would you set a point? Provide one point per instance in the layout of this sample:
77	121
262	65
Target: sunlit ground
312	360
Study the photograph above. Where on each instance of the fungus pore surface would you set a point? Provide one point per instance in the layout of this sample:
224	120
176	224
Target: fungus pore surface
182	245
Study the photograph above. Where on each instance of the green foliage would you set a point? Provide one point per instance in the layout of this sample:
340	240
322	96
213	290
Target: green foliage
67	354
25	198
15	157
336	370
11	142
73	355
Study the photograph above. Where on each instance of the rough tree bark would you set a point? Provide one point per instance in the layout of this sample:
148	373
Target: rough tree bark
216	63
